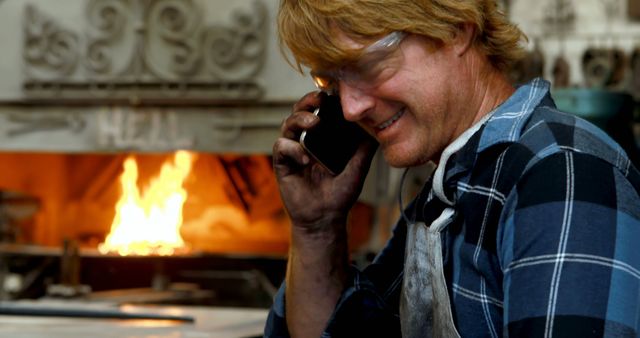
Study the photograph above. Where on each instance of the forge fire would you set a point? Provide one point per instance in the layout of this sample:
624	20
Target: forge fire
149	222
147	204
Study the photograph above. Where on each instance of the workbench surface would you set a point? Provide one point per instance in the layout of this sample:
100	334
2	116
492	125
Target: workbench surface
209	322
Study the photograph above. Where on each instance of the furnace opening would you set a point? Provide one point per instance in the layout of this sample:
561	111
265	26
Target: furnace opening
229	204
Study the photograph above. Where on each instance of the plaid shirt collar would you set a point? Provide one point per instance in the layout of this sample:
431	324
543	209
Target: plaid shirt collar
502	125
507	121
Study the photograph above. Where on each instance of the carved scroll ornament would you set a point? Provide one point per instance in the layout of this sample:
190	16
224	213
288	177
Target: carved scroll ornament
151	49
48	47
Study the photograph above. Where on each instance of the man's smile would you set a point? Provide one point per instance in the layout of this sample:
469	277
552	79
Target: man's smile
390	121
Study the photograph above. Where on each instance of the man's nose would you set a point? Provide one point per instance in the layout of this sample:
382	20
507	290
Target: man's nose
356	102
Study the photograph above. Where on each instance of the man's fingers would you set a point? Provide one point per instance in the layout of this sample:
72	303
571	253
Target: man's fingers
363	157
288	154
308	102
297	122
301	117
367	150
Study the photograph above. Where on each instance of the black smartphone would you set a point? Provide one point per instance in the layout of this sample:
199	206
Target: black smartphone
334	140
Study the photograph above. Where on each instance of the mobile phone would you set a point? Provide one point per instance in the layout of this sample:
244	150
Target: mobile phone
333	140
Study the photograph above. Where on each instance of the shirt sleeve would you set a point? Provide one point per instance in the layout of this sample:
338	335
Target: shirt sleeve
276	325
368	307
568	250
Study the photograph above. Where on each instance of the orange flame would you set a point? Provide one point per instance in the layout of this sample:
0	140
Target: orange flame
150	224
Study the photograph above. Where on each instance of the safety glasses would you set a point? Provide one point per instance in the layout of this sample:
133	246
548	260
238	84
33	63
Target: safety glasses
376	64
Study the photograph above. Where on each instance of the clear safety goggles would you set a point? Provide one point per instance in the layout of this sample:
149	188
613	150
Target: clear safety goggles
376	64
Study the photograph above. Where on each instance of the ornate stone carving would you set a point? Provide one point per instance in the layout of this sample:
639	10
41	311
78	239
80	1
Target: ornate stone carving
177	23
236	52
146	50
107	21
50	51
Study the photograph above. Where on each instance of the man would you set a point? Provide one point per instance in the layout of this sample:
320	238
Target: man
529	225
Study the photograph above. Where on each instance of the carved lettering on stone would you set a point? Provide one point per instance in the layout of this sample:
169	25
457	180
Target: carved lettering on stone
123	128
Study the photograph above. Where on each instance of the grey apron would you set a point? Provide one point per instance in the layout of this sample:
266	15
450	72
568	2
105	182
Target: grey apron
425	309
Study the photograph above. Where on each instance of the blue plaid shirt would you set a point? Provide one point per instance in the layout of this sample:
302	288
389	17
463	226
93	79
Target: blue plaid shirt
545	238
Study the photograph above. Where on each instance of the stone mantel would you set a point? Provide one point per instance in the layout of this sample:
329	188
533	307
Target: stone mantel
142	75
109	129
143	50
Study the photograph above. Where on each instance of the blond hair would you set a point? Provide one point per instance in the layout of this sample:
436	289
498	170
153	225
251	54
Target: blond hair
308	27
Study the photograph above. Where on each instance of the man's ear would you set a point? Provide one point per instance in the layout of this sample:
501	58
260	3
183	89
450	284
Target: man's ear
464	38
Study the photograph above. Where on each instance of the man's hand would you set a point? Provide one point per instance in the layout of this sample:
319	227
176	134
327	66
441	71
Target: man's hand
318	204
313	197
